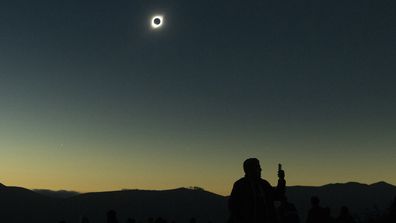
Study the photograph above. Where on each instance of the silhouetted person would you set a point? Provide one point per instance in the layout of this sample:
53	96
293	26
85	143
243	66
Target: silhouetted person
252	198
345	216
316	214
112	217
288	212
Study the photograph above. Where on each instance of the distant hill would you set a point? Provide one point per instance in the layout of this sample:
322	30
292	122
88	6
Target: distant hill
19	205
56	194
22	205
179	204
362	199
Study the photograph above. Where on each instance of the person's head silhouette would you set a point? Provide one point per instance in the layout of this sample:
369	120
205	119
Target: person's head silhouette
315	201
252	168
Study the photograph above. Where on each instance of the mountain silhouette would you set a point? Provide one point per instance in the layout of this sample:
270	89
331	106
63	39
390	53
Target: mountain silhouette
19	205
56	194
362	199
22	205
178	204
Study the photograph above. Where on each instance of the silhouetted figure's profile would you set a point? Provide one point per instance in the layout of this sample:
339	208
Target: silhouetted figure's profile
345	216
112	217
288	212
316	214
252	198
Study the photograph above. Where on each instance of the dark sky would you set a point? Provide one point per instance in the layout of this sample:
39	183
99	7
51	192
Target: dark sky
88	87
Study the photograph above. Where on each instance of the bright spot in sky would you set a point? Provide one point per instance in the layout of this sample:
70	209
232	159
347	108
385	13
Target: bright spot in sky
157	21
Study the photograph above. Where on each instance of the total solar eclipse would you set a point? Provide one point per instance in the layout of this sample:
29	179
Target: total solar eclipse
157	21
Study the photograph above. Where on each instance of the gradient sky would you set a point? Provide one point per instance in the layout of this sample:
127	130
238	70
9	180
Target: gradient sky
91	99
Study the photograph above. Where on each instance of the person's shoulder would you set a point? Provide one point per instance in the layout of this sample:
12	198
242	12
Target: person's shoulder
265	183
239	185
242	180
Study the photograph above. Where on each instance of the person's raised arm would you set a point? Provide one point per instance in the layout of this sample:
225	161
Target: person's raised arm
281	187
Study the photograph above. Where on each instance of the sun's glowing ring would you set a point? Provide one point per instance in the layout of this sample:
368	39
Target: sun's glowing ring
157	21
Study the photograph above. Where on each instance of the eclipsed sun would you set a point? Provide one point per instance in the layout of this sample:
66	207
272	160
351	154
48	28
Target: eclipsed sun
157	21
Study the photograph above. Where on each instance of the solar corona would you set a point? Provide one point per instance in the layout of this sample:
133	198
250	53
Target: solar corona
157	21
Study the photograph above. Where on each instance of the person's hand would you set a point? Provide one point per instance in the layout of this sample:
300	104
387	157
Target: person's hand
281	174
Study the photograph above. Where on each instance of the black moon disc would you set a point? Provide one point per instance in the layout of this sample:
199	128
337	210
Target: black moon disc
157	21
